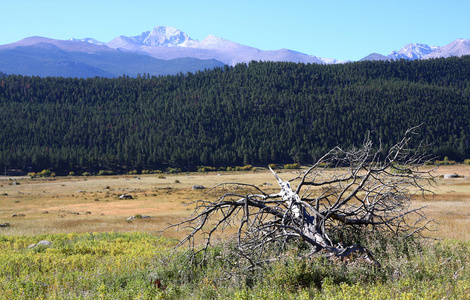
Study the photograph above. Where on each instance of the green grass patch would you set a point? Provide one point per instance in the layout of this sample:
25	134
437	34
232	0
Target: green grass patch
139	266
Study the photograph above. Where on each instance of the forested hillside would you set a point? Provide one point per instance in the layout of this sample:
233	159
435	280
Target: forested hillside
258	114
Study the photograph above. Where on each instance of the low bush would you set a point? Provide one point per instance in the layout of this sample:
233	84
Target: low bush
105	172
247	168
204	169
292	166
405	263
173	170
43	173
445	162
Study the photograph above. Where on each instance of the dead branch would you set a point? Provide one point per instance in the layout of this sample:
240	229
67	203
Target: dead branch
361	187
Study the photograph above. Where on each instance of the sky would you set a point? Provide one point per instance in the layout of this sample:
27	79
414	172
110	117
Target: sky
340	29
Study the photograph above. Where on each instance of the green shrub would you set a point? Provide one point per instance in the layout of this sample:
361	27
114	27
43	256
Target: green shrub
247	168
272	166
204	169
44	173
105	172
445	162
292	166
467	161
239	168
86	174
173	170
324	165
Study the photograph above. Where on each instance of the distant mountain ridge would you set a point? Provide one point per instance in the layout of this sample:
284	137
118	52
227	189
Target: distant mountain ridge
167	50
39	56
172	43
413	51
168	43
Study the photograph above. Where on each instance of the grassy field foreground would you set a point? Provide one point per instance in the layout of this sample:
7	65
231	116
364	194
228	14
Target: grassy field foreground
97	254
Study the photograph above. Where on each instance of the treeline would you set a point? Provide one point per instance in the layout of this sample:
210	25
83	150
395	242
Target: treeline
256	113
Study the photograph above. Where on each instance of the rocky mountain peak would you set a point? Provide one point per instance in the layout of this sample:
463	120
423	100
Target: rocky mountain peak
163	36
413	51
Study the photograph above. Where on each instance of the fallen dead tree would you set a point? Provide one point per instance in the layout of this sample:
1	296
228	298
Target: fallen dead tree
362	187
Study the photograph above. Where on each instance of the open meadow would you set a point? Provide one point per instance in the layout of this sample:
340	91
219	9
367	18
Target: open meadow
98	253
92	204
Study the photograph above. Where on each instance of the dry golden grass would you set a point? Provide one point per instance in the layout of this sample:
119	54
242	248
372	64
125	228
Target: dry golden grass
91	204
450	205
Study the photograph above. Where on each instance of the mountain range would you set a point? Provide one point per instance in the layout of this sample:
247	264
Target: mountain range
412	51
166	50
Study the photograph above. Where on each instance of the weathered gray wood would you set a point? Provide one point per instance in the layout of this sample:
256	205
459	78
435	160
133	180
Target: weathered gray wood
358	187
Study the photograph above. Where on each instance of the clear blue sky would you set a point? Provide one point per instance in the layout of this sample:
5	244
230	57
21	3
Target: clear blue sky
347	30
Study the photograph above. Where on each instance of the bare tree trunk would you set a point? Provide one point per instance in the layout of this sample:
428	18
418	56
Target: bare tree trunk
358	187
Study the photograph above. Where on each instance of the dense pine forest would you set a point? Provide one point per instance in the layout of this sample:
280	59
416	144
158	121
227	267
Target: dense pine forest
256	113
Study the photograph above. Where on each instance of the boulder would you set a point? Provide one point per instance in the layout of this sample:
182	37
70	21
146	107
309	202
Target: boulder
42	243
447	176
198	187
138	217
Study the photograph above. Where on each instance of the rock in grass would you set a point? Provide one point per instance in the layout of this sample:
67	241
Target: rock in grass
198	187
138	217
43	243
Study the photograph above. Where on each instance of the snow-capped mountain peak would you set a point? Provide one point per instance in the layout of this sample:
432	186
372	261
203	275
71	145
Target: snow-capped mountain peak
88	40
166	42
458	47
214	42
413	51
163	36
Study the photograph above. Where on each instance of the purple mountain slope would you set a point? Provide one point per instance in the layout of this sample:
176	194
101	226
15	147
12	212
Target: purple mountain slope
412	51
69	45
39	56
168	43
458	47
177	48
